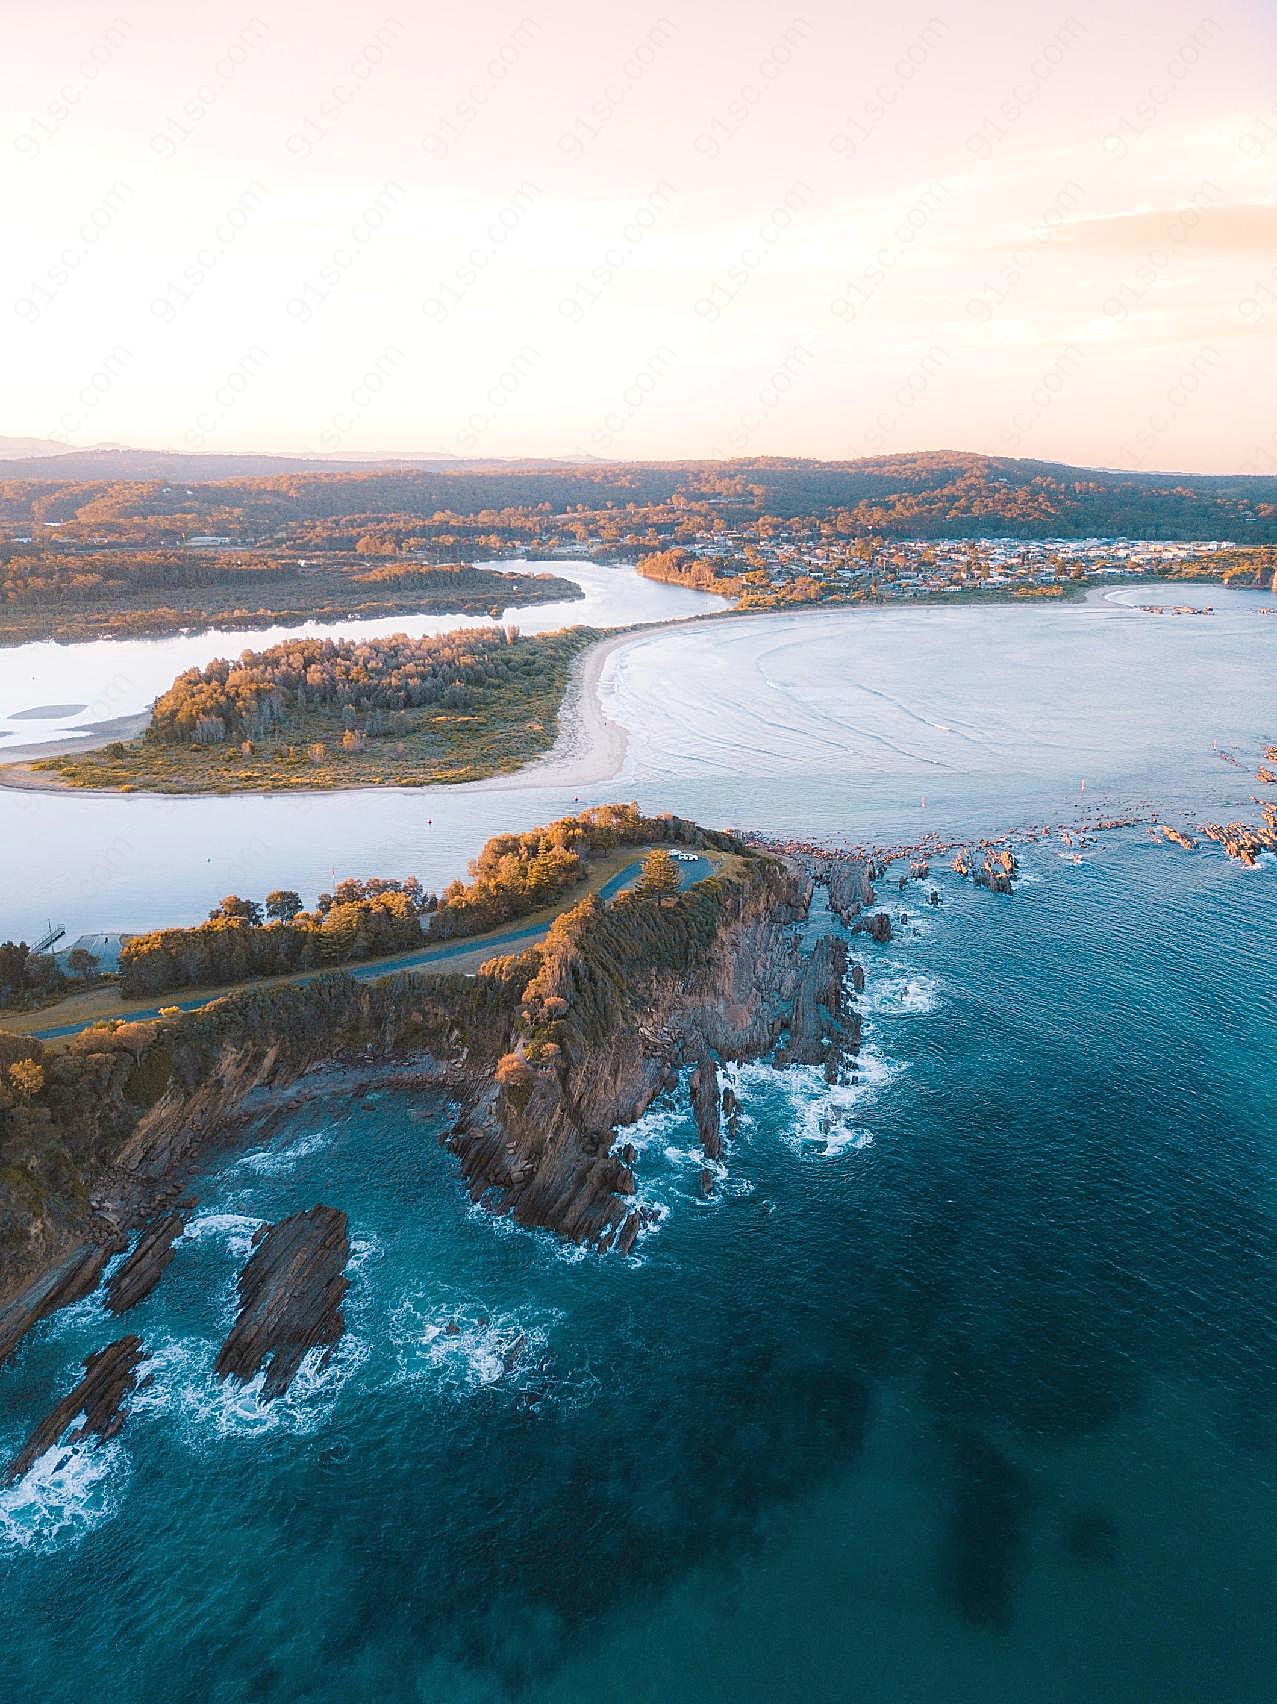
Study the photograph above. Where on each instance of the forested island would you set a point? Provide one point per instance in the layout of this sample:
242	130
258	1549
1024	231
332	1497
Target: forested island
326	713
58	590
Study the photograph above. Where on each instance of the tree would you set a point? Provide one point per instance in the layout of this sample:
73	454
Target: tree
283	904
82	963
659	875
235	907
27	1077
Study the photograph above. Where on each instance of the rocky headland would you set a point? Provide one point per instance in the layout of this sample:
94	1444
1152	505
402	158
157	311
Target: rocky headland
547	1054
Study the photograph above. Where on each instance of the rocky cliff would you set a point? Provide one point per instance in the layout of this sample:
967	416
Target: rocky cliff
616	1002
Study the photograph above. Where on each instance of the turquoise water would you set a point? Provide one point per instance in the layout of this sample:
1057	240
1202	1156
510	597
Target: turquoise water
963	1388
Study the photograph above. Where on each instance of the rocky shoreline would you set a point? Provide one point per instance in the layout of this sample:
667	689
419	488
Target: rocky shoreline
549	1055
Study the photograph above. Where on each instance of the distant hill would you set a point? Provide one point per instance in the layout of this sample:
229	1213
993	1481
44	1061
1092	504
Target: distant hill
933	494
19	449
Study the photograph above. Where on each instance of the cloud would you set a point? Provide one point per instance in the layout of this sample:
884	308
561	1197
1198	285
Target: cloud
1244	229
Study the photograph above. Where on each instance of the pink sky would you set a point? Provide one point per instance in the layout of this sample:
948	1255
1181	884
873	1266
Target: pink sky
664	231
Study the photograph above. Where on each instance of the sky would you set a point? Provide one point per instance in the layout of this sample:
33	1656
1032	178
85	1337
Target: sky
659	231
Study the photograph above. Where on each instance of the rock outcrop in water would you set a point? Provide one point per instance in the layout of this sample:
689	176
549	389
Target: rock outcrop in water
707	1105
1245	841
134	1280
70	1281
290	1296
110	1377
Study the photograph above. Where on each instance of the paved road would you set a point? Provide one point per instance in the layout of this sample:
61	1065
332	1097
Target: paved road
690	871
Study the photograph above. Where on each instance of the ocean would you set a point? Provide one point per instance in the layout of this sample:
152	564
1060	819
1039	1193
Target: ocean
963	1386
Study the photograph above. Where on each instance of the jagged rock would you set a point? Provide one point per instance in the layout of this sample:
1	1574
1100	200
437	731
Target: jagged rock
817	1029
290	1295
847	884
706	1181
628	1233
858	978
962	861
1174	835
98	1401
708	1107
1245	841
144	1268
997	871
74	1279
877	927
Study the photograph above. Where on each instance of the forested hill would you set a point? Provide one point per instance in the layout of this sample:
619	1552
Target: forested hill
938	494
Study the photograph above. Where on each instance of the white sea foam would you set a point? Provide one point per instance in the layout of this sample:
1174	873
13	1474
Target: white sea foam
908	994
235	1229
278	1161
199	1406
458	1362
816	1119
67	1494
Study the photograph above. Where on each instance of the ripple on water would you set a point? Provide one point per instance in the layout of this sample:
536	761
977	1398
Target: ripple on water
815	1119
272	1161
900	993
459	1347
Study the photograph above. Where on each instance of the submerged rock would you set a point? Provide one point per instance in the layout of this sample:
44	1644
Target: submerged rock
290	1295
877	927
110	1376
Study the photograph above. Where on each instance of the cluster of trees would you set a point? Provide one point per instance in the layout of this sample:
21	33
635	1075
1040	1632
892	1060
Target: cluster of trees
243	940
33	577
519	873
270	690
25	976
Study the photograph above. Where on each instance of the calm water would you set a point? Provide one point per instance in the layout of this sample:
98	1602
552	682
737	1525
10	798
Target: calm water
833	725
963	1389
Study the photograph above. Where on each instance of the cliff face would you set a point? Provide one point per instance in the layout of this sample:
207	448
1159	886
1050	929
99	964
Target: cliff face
123	1116
619	1000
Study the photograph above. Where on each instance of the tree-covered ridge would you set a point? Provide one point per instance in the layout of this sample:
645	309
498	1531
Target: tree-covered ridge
512	877
929	495
71	587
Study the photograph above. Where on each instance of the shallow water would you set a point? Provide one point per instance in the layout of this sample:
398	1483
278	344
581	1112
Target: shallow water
962	1388
860	724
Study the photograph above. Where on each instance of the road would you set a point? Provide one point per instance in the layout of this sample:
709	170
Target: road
694	870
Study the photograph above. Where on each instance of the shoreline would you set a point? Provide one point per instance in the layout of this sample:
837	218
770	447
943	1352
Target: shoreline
589	748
